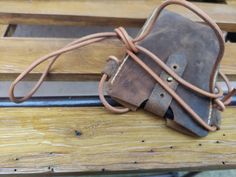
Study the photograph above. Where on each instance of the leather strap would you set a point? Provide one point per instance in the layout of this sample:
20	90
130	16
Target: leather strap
111	66
159	100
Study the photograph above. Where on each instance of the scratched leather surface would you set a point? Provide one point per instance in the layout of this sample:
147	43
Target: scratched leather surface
172	34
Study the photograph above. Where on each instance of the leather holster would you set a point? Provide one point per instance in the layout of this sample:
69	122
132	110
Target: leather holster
190	49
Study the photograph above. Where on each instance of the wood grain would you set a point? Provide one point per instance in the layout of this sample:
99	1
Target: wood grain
230	2
228	66
38	140
83	64
56	140
89	12
3	30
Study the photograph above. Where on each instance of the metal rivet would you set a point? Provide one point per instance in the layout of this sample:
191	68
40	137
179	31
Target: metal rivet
169	79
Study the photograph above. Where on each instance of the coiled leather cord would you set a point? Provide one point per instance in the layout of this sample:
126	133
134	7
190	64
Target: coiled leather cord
132	48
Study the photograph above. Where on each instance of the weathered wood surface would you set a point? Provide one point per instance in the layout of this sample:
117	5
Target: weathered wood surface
127	13
82	64
3	30
36	140
85	63
230	2
47	140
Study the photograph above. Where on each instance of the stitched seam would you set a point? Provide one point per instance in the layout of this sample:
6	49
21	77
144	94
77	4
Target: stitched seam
210	110
210	113
118	71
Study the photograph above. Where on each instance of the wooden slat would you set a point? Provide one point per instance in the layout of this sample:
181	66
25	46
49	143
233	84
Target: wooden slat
82	64
37	140
230	2
228	66
86	63
127	13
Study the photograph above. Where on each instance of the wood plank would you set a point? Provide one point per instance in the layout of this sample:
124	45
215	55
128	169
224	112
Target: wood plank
39	140
228	66
89	12
230	2
82	64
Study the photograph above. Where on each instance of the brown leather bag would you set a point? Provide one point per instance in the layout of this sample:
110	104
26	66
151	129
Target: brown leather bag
190	50
170	69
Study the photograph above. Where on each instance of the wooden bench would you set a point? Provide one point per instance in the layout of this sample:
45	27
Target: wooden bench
90	139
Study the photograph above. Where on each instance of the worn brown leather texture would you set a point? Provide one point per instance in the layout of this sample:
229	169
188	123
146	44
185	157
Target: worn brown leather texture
172	35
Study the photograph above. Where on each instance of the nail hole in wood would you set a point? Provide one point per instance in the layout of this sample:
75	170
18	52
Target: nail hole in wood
16	158
199	144
162	95
15	169
135	162
103	169
151	150
78	133
224	135
217	142
171	147
143	141
223	163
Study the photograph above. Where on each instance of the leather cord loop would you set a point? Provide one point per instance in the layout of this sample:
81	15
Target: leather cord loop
103	99
114	59
101	94
126	39
53	57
